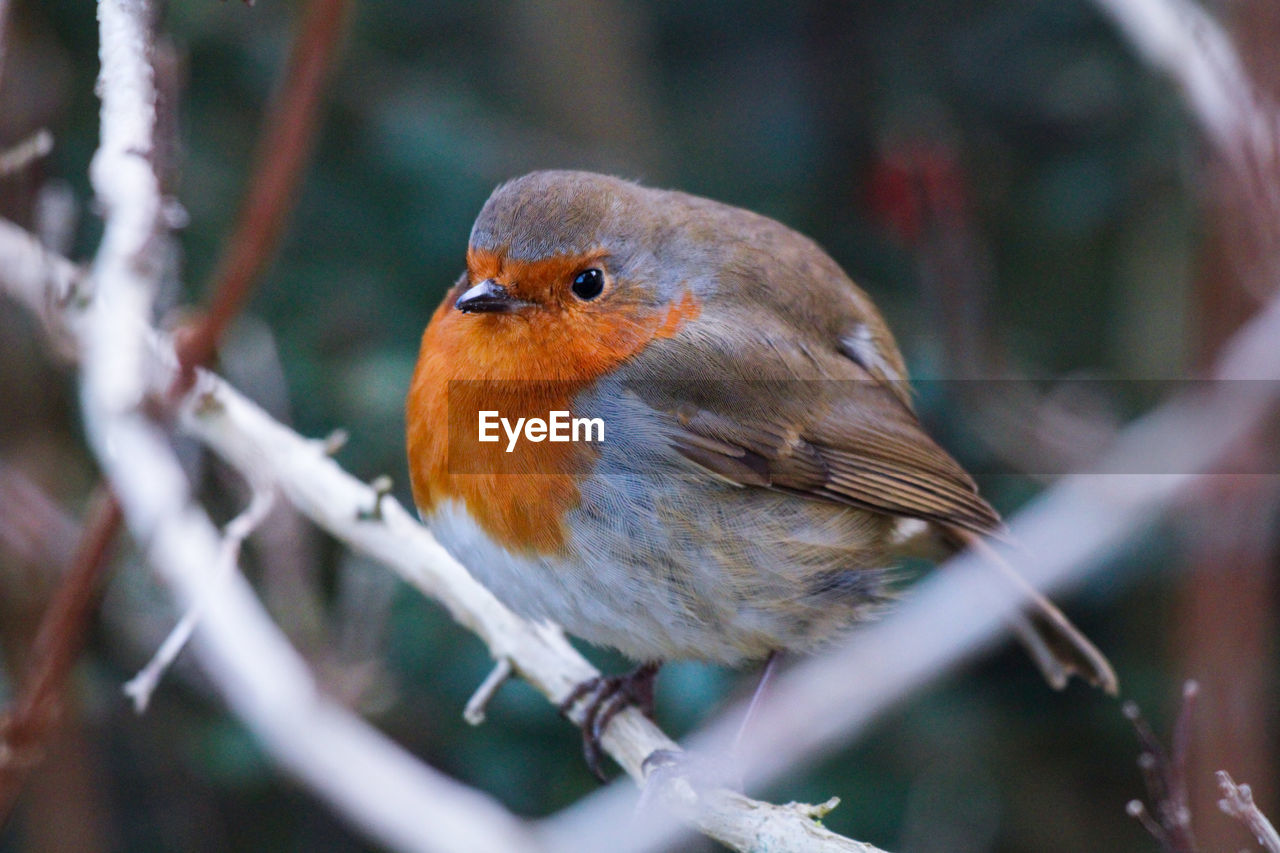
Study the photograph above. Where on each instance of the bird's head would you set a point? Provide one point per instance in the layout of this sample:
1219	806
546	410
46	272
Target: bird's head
564	279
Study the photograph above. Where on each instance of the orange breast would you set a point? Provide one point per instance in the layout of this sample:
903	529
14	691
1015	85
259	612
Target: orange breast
520	365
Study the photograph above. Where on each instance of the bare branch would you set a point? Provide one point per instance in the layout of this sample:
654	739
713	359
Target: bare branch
26	152
1165	775
141	686
1237	801
249	439
474	712
57	645
396	799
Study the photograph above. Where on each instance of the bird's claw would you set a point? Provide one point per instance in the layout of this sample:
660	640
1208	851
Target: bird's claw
604	697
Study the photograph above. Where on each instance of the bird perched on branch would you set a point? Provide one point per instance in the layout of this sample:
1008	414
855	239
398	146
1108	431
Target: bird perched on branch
761	469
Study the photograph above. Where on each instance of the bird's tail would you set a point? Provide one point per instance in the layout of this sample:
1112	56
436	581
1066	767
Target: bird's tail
1056	646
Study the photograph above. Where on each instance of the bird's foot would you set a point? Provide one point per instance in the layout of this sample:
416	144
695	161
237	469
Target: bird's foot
604	697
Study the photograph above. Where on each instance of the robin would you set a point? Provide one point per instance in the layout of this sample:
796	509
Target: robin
758	471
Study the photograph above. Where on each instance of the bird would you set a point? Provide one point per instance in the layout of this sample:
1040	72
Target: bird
761	472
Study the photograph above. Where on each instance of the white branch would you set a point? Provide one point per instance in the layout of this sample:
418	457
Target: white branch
474	712
395	798
141	686
249	439
1237	801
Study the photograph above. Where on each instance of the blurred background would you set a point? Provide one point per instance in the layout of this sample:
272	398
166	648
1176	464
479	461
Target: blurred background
1020	194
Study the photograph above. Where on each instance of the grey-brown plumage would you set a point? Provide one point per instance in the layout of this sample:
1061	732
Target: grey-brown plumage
764	468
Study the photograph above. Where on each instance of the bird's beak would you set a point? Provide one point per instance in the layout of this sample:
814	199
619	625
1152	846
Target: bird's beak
488	297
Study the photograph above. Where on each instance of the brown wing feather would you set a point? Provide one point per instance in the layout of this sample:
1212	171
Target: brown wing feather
847	446
896	484
851	442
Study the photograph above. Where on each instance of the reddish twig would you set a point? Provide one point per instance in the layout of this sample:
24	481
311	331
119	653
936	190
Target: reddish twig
1165	774
59	639
283	151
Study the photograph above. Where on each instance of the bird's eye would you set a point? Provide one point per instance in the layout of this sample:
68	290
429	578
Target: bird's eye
588	284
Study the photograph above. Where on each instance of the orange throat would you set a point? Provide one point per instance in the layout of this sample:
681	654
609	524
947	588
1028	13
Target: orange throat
521	366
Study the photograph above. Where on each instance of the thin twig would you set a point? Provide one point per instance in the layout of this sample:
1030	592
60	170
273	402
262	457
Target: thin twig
141	686
57	646
283	150
28	151
474	711
1237	802
1165	775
